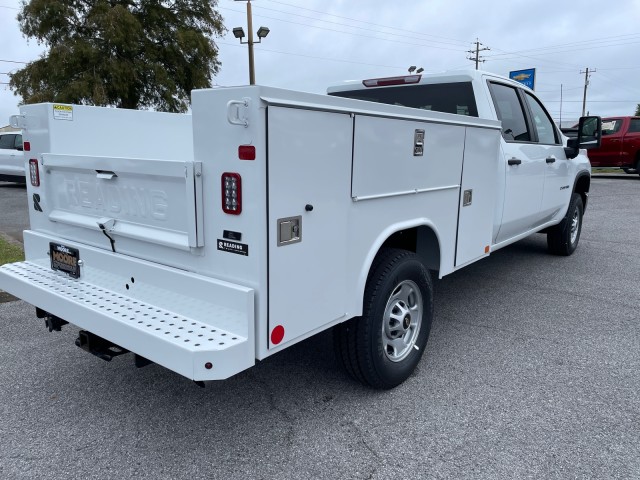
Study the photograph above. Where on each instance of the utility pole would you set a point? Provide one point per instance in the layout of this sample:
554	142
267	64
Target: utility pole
476	52
587	73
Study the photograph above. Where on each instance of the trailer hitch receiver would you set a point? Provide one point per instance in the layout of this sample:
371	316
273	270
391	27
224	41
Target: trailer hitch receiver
98	346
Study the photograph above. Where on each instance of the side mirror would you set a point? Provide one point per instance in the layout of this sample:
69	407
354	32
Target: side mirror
589	135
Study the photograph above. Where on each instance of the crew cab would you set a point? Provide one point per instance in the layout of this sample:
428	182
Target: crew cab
268	215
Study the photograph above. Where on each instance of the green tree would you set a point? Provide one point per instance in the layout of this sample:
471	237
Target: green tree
123	53
638	110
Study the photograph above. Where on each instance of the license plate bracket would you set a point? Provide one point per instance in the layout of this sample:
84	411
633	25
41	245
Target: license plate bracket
65	259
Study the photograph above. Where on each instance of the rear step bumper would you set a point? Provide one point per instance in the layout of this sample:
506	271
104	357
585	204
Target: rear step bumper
180	320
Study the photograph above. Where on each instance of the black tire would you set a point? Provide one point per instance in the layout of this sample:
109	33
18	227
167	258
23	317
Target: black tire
562	239
398	286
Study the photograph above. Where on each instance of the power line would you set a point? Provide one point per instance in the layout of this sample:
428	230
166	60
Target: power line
593	101
551	47
347	33
12	61
318	58
462	42
350	26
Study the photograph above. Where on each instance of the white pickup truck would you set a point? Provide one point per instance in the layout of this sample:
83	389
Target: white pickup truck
208	241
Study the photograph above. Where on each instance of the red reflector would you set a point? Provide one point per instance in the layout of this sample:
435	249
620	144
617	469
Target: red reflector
208	365
277	334
26	146
34	173
385	82
247	152
231	185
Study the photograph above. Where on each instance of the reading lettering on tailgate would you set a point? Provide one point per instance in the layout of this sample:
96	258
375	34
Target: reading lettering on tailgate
125	200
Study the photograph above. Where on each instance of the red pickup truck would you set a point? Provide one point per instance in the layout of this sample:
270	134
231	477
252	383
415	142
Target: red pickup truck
620	145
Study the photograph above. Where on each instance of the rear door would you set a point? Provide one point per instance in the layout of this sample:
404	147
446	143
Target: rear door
631	144
610	152
524	163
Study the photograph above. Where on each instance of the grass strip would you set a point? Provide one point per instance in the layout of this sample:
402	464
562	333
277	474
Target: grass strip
10	252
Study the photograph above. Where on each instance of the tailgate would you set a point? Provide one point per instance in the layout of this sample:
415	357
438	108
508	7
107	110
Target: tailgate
151	200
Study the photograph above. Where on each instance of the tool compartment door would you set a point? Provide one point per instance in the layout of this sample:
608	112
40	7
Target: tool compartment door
477	194
309	182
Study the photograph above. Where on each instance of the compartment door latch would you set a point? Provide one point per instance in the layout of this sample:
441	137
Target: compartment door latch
289	230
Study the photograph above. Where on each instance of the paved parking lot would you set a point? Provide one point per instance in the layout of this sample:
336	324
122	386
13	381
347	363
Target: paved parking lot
532	371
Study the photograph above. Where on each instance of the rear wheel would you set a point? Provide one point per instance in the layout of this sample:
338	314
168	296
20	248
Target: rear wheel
562	239
382	348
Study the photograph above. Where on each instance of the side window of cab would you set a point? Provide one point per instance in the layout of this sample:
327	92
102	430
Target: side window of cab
510	112
634	126
545	128
7	141
17	144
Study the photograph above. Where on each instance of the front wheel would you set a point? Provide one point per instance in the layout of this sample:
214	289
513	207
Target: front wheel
562	239
382	348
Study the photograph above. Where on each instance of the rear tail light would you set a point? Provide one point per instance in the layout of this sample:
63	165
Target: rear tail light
385	82
231	193
34	174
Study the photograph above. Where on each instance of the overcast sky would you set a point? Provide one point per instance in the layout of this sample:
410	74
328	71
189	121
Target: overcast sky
314	43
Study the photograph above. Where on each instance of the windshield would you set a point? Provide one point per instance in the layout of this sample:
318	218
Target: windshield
454	98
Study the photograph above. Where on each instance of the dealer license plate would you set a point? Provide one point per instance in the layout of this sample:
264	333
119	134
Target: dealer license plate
65	259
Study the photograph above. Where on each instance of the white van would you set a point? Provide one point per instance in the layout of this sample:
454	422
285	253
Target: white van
11	159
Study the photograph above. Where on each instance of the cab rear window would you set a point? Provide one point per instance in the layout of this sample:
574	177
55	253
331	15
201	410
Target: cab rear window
454	97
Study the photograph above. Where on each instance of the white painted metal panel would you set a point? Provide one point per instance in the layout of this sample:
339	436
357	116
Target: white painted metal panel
559	176
480	169
309	164
384	161
174	318
524	185
149	200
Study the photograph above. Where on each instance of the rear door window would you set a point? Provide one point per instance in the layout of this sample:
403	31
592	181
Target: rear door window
634	126
7	141
511	112
17	144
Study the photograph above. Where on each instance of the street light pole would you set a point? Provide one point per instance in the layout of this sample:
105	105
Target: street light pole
252	72
238	32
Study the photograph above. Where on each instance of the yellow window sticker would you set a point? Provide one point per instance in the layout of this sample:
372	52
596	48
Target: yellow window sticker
63	112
